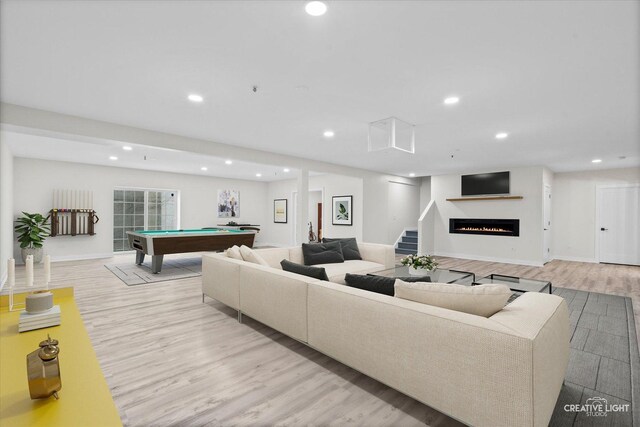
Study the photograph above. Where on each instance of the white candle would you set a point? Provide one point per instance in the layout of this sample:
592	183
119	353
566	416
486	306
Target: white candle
29	269
91	200
47	269
11	272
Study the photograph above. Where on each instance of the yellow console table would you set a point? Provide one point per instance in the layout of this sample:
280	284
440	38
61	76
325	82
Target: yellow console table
85	399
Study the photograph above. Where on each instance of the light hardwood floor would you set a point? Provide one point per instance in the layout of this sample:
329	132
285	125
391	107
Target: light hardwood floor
169	359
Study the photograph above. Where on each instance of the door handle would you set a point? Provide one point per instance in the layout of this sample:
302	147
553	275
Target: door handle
546	229
603	229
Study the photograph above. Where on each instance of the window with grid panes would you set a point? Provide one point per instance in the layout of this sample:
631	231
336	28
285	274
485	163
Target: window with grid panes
142	209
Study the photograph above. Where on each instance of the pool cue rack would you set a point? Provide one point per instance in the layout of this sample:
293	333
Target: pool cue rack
78	219
73	222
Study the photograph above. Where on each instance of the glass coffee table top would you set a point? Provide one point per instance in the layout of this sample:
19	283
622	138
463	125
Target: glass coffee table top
439	275
516	284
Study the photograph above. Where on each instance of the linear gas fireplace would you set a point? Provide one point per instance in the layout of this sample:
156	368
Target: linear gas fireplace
492	227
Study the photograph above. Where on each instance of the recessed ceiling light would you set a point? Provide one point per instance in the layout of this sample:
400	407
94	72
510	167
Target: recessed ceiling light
451	100
286	170
412	174
228	162
113	158
194	97
204	168
127	148
316	8
501	135
258	175
596	161
328	134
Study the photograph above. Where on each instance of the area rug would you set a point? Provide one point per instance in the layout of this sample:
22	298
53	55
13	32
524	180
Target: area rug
132	274
602	382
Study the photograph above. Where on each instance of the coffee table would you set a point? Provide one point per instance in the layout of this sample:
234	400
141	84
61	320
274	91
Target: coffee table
439	275
516	284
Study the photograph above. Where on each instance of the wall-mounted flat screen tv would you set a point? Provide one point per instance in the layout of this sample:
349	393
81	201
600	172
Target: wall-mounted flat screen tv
483	184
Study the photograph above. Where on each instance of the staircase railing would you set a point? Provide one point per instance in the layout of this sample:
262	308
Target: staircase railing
426	240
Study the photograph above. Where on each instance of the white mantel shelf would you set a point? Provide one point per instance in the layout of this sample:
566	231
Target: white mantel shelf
465	199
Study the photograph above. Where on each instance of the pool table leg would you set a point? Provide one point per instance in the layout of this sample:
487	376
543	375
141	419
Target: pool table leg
156	263
139	257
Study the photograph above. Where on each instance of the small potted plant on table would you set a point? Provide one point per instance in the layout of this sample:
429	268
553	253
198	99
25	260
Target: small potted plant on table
421	264
32	230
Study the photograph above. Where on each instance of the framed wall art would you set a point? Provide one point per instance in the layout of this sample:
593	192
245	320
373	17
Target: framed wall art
280	211
342	210
228	203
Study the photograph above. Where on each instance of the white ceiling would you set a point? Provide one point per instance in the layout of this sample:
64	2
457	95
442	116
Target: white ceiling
98	152
562	78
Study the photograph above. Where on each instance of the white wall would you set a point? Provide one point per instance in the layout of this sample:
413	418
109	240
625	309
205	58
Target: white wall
525	249
574	210
332	185
425	192
403	208
35	180
6	209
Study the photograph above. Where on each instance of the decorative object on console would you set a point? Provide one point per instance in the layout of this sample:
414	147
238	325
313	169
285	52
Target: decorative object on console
306	270
419	263
228	203
378	284
322	253
481	300
32	229
349	246
38	302
72	213
29	285
280	211
43	370
30	321
392	133
342	213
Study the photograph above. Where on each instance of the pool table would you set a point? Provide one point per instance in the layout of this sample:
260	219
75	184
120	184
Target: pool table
158	243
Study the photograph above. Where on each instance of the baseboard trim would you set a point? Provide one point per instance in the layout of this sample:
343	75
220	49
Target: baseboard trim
490	259
81	257
576	259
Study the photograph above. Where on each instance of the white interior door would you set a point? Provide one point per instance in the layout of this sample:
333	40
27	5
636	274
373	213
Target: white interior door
547	224
619	224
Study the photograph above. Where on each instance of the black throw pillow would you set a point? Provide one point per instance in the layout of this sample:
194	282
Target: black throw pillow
322	253
349	247
379	284
314	272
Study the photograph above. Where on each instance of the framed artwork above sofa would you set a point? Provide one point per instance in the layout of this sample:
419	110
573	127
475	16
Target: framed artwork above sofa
342	210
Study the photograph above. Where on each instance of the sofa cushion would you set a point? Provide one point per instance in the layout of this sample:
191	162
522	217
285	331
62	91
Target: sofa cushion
234	252
250	255
273	256
481	300
379	284
322	253
336	272
349	246
306	270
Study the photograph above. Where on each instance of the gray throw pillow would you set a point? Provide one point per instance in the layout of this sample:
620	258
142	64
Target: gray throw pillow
349	246
322	253
314	272
379	284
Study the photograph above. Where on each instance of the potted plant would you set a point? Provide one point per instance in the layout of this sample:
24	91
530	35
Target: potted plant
32	230
420	263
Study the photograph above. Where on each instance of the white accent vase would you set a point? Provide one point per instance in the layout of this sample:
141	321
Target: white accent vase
420	271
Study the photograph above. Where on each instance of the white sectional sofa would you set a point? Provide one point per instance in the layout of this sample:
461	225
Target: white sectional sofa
505	370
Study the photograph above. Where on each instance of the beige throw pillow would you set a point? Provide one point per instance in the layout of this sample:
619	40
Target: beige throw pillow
481	300
234	252
250	255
